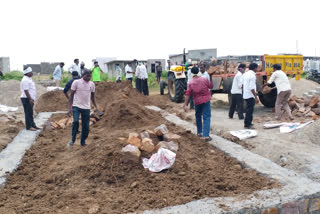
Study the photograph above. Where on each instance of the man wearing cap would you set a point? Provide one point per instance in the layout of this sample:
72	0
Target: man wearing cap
57	74
66	89
28	96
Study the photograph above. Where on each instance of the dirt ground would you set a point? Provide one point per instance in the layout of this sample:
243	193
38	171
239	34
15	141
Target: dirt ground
56	179
298	150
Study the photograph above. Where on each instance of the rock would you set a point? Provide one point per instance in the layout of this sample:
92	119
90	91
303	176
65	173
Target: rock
182	173
93	120
299	114
174	147
54	125
300	100
302	110
294	112
314	101
171	137
307	110
161	130
151	133
292	104
122	138
134	139
306	102
316	110
237	167
315	117
134	184
131	153
310	114
94	209
293	98
144	134
147	145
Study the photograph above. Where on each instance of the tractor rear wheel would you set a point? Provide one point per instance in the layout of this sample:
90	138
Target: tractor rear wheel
176	88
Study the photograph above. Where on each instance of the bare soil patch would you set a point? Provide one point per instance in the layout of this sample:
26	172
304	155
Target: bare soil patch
53	178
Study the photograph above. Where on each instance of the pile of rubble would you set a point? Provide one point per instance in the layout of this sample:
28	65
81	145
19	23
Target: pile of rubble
229	68
149	142
305	107
67	121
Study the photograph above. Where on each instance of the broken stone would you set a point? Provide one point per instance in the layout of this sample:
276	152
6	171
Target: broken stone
237	167
134	184
294	112
134	139
172	146
151	133
306	102
144	135
182	173
54	125
161	130
147	145
130	153
122	138
293	98
300	100
302	110
314	101
316	110
315	117
310	114
307	110
292	104
93	120
94	209
299	114
170	137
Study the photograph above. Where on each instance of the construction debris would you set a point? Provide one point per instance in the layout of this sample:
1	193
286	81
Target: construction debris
304	107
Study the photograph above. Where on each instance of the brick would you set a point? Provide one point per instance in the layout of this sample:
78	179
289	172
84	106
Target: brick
314	205
147	145
272	210
134	139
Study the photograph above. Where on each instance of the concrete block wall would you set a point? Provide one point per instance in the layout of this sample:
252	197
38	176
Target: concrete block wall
5	64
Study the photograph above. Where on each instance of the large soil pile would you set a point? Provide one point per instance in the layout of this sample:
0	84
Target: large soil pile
10	92
53	178
52	101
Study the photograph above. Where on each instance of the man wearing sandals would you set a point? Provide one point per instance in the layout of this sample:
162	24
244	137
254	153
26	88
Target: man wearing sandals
200	87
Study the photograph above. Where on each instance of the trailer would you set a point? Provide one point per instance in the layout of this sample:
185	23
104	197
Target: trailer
292	65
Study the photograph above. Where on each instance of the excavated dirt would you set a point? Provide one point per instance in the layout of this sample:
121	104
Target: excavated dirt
52	101
56	179
8	130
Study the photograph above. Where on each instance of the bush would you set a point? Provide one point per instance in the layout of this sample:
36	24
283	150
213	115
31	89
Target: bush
104	77
164	75
66	77
13	75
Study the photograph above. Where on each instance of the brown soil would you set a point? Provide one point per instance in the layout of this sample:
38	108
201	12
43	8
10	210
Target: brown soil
8	131
52	101
53	178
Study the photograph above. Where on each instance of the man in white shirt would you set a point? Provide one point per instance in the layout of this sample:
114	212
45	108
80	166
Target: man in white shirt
57	74
284	91
250	94
236	93
138	78
28	96
144	80
129	72
75	67
203	71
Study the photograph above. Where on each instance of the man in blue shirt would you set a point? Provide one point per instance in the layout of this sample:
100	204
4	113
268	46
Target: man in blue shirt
75	76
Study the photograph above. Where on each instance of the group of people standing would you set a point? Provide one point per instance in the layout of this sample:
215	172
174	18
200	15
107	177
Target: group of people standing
96	71
244	88
141	77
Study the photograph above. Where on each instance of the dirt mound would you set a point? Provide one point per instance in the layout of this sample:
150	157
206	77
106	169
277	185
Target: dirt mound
310	133
74	180
52	101
10	92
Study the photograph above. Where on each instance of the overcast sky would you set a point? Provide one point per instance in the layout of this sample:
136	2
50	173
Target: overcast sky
61	30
